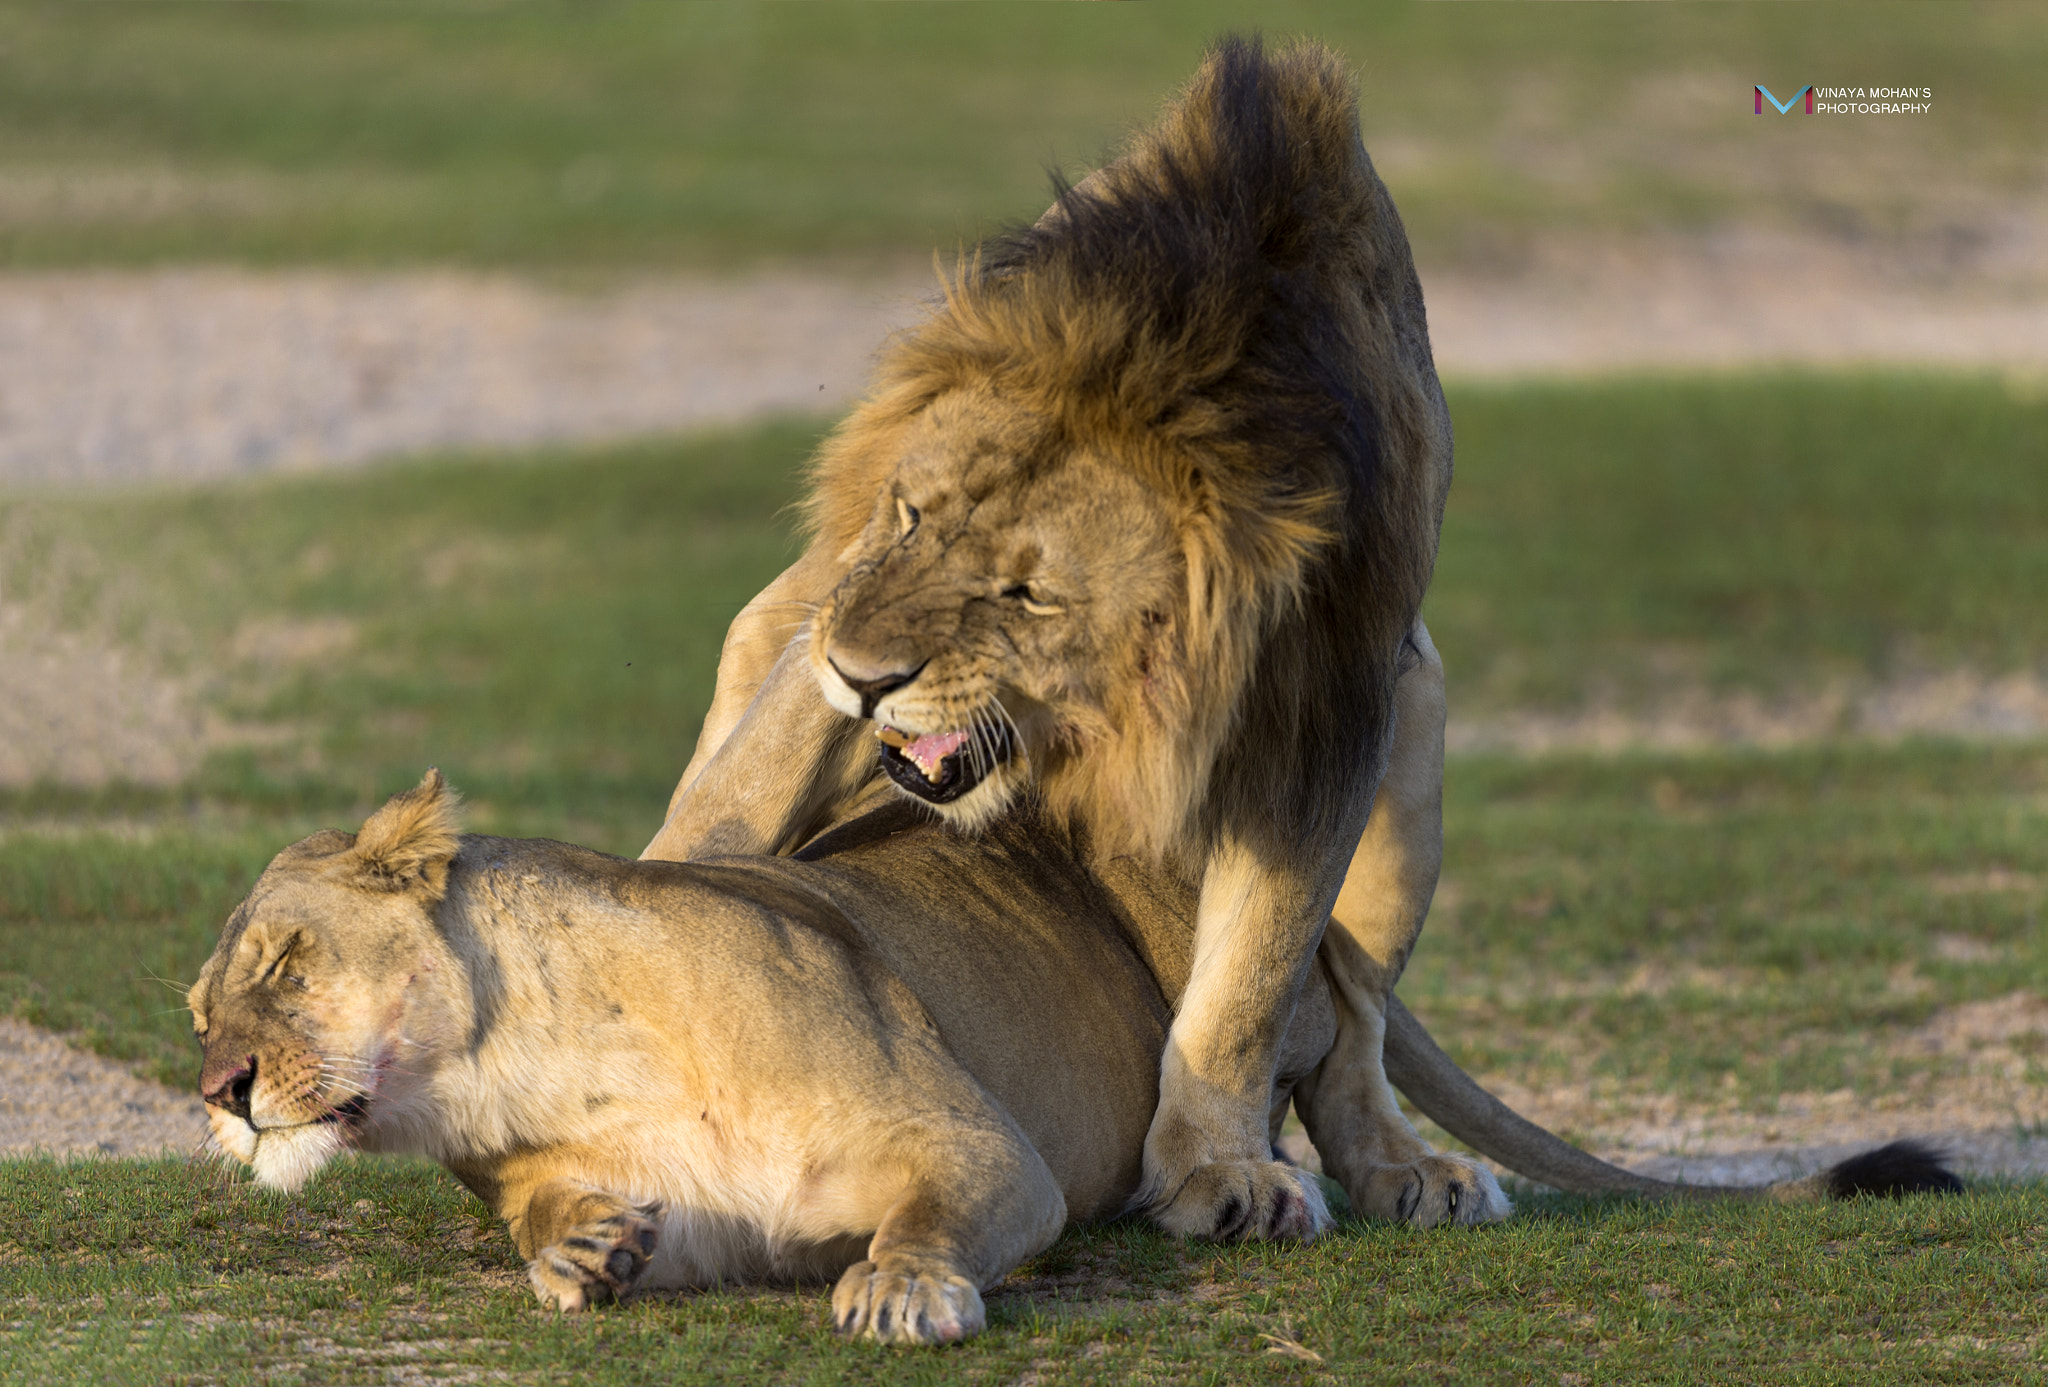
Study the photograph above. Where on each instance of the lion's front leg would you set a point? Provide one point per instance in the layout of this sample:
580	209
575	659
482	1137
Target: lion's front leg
1209	1170
774	760
1366	1143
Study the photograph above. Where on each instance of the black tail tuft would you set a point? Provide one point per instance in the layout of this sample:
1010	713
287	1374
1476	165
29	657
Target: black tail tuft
1903	1167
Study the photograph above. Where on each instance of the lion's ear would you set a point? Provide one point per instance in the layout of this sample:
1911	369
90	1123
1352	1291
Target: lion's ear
408	844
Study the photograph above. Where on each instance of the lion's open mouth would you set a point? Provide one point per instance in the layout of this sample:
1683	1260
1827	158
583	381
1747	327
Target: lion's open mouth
939	767
349	1114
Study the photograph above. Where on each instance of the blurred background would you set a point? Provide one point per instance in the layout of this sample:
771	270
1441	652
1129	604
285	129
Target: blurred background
390	385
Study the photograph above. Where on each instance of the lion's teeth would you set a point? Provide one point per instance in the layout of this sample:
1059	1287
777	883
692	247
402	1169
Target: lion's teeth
929	752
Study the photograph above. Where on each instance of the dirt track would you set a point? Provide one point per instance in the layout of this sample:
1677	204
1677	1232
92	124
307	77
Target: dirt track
115	378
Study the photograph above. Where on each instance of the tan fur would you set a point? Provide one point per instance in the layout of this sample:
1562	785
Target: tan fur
1151	500
670	1074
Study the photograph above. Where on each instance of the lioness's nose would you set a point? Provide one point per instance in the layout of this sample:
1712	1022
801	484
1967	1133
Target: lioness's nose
871	682
231	1091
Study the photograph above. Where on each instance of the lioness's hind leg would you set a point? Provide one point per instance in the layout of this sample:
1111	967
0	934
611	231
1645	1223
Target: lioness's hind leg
1366	1143
907	1300
583	1244
971	1214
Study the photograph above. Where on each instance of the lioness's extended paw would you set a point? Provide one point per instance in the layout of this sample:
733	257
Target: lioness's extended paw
1246	1200
1436	1189
603	1257
901	1301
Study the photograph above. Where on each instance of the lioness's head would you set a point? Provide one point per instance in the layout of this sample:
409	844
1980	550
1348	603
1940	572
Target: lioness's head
1098	482
326	999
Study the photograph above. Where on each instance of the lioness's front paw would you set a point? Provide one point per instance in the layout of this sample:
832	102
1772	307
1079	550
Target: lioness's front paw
904	1303
596	1259
1436	1189
1246	1200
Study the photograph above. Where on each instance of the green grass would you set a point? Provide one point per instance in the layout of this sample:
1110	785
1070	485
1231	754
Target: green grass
1721	929
1734	927
120	1272
650	134
1759	534
102	931
545	628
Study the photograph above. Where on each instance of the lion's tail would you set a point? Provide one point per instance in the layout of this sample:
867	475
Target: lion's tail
1455	1101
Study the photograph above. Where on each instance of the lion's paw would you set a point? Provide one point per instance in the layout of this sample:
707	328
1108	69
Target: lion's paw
1251	1201
900	1302
1437	1189
594	1260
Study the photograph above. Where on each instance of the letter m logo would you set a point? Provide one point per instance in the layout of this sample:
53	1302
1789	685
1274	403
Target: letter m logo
1763	94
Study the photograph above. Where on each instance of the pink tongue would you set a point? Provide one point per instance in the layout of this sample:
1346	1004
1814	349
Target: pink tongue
933	748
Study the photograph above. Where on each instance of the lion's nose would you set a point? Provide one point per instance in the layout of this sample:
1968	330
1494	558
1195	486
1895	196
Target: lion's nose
871	682
232	1091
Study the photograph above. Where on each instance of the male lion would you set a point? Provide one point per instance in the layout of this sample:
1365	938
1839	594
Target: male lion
666	1074
1141	518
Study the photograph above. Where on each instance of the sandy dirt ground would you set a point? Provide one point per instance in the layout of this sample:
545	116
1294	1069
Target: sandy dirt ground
182	374
55	1098
111	379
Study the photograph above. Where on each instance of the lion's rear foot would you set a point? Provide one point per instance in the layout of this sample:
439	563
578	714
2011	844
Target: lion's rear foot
907	1300
1436	1189
597	1259
1245	1201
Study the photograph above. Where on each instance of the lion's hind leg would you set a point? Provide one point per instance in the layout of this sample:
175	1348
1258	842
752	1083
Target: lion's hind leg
1366	1143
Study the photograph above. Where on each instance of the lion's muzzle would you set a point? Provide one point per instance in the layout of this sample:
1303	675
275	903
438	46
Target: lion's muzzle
871	687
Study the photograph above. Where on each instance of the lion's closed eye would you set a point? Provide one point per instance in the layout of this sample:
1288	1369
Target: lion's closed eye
906	518
1022	594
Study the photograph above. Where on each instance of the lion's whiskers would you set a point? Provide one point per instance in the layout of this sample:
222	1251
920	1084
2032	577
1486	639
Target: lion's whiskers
1016	732
980	753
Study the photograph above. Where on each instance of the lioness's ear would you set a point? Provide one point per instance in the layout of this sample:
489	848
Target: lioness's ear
408	844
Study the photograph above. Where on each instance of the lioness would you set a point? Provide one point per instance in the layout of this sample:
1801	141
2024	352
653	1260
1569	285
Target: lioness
902	1056
665	1074
1141	518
